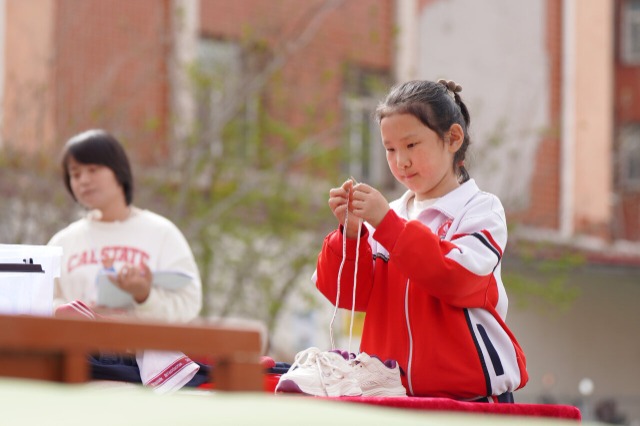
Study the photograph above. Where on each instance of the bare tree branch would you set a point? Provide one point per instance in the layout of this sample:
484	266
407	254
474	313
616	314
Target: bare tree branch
230	109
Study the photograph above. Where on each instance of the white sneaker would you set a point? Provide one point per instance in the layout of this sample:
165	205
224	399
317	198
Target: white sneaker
318	373
303	369
377	378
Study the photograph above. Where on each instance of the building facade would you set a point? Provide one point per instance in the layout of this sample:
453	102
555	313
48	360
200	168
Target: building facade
553	87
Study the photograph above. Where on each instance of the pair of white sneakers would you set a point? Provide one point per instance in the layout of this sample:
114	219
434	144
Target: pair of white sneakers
338	373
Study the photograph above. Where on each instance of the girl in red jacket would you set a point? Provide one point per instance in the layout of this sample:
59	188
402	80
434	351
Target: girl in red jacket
428	273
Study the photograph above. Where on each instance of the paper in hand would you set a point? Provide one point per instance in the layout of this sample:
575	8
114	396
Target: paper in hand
111	296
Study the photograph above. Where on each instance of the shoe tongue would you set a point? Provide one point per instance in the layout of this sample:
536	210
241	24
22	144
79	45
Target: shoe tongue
391	363
343	354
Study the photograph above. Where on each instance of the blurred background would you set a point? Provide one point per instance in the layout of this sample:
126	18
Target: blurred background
239	116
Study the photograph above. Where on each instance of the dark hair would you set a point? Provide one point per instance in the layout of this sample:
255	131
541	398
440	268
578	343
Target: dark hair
99	147
431	103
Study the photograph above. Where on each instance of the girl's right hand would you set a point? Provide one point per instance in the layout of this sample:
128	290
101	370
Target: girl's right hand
338	203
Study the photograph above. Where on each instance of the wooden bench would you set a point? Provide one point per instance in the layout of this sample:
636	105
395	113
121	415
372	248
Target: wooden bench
56	349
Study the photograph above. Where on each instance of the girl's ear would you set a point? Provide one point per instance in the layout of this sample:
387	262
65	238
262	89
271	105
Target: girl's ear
456	137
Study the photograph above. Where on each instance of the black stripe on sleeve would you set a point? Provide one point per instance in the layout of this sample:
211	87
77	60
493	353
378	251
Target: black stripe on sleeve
484	241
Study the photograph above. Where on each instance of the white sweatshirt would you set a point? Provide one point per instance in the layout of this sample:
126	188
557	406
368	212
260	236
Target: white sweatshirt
143	237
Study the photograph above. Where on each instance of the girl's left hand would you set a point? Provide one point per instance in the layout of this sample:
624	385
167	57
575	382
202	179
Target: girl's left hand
134	280
369	204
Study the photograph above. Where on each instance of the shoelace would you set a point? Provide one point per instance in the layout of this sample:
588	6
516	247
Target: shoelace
355	274
305	358
355	283
325	361
322	362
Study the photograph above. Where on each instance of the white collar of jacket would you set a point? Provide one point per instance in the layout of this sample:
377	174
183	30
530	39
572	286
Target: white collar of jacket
449	204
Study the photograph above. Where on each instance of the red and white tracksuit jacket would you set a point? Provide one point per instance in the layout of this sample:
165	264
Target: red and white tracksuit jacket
433	296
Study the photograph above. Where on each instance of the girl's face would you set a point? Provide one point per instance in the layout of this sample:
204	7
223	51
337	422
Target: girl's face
95	186
417	157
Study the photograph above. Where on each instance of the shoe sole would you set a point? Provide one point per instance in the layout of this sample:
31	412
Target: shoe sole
385	392
289	386
344	388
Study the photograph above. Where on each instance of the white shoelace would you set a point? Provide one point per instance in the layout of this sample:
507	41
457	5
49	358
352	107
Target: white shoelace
355	274
305	358
324	362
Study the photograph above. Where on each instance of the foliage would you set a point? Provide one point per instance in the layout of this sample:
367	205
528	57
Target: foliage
247	189
541	272
32	208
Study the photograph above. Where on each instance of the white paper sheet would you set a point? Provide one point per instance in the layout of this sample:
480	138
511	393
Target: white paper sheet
110	295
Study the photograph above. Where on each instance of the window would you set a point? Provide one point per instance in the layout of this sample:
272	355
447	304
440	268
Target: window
366	160
629	156
221	69
631	32
361	135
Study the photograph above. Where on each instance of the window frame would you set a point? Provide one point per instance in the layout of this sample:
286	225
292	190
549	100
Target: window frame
227	61
629	156
630	20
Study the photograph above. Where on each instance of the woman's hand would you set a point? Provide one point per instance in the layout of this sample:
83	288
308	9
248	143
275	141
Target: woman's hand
134	280
369	204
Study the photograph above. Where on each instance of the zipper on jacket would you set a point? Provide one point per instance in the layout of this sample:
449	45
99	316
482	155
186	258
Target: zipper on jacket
406	317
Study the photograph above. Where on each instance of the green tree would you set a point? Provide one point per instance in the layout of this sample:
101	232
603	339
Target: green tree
248	190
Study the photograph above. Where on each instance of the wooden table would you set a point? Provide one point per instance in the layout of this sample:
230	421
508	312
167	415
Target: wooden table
56	349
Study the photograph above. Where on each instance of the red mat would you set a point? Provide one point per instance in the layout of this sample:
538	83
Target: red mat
444	404
568	412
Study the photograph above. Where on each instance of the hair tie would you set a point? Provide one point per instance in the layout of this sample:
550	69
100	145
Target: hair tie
452	87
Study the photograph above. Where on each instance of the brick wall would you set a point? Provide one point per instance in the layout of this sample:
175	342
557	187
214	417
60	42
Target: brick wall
105	64
627	111
307	91
544	203
110	71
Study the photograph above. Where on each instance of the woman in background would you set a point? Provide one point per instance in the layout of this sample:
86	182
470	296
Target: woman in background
115	234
